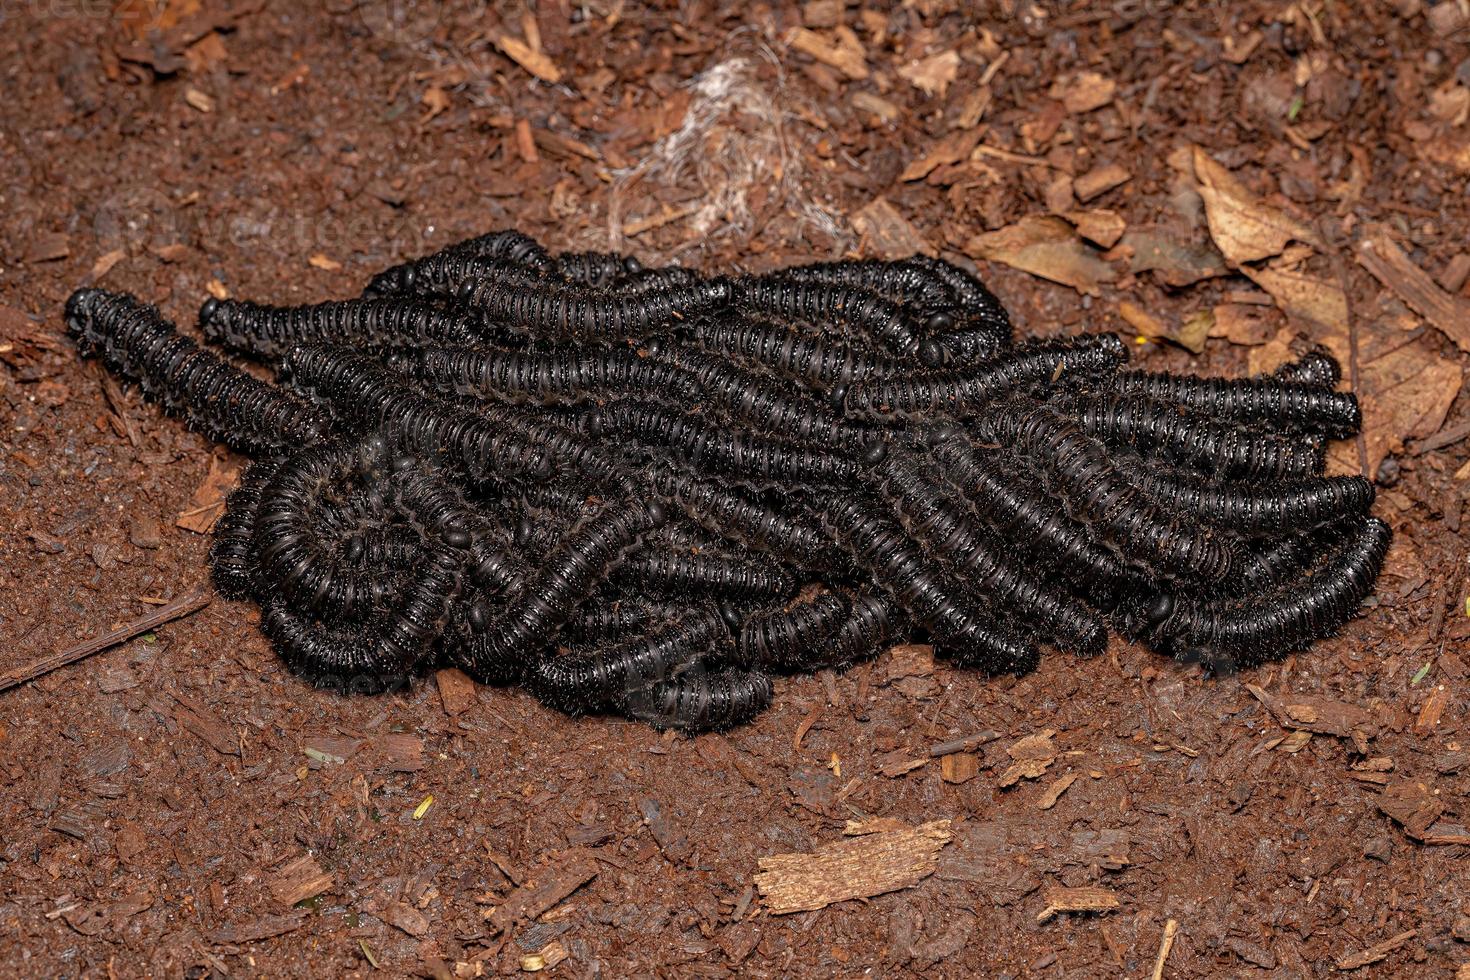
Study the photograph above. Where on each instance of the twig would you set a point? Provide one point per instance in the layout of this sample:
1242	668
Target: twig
1339	267
1171	928
177	609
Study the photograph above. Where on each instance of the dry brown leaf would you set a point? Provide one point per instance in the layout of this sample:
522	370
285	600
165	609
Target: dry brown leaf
886	233
1084	92
1175	260
1244	228
1405	394
934	73
208	502
1304	297
1048	247
1244	323
864	866
1390	265
952	149
538	63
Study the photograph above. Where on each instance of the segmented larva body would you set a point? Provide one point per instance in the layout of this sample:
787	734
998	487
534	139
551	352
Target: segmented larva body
550	312
586	681
1316	367
1247	632
1303	406
270	331
687	576
792	538
1255	510
769	404
597	269
447	273
700	701
816	360
563	375
949	530
1021	510
1232	452
1098	495
793	638
211	395
964	393
885	322
583	560
232	554
897	564
705	448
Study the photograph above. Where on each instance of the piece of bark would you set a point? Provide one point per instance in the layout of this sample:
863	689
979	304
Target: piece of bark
951	149
896	763
958	767
265	927
1089	898
456	690
1055	791
1390	265
1373	954
549	888
1444	832
300	880
196	718
874	864
530	58
845	52
1317	714
1412	804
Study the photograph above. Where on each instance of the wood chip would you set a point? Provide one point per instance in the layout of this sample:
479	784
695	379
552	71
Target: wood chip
1412	804
526	142
1317	714
548	888
1025	769
1100	180
886	111
909	660
1102	227
1443	832
1054	792
1088	898
1244	228
1048	247
300	880
532	60
896	763
844	52
1433	709
933	74
264	927
1084	92
873	864
951	149
1390	265
321	261
958	767
1375	953
1166	943
456	691
105	263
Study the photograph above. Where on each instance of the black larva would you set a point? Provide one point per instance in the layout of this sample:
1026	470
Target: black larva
644	491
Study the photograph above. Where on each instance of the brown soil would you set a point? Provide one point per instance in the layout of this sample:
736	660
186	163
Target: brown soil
160	797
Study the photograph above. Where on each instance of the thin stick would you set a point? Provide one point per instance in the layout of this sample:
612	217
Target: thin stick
177	609
1170	929
1339	266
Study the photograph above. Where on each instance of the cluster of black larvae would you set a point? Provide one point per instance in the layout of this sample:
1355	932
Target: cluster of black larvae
646	490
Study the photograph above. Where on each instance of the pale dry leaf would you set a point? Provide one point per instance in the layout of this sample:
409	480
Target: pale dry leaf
888	234
1244	228
1048	247
1102	226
